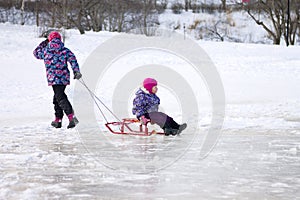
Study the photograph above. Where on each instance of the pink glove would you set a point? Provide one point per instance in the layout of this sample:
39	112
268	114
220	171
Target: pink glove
144	120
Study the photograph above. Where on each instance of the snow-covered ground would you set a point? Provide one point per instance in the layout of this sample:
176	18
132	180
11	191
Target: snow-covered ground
257	156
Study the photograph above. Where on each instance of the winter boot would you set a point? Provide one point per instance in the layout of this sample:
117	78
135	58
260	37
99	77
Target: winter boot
56	123
167	131
181	128
73	121
170	131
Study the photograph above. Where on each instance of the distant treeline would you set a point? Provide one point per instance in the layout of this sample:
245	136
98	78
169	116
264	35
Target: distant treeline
283	16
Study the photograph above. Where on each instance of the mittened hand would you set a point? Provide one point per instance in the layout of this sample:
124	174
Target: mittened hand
77	75
44	43
144	120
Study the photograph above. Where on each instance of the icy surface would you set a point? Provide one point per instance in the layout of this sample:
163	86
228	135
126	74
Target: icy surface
257	156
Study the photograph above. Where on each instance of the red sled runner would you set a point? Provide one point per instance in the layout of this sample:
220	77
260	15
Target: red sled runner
126	127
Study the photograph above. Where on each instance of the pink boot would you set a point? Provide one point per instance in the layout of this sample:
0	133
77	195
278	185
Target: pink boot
71	116
56	123
73	121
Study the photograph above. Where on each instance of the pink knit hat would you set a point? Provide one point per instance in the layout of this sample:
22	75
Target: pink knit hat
53	35
149	83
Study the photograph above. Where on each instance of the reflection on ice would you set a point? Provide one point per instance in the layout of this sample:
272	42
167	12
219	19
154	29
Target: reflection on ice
38	164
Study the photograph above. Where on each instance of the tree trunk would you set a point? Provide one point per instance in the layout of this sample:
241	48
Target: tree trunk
22	12
37	16
187	5
224	5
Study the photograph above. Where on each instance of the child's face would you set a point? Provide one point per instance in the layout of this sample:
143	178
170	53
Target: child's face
154	89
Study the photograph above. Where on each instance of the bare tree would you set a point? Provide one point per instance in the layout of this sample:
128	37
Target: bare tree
293	23
73	11
23	12
96	13
148	14
37	13
187	4
276	12
117	13
223	2
216	32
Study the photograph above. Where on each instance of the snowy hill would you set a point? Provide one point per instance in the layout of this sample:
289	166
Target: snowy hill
257	155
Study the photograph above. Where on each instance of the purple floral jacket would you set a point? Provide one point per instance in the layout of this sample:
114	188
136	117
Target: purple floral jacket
144	102
56	58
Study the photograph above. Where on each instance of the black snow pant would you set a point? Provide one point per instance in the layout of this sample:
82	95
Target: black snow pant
61	102
162	119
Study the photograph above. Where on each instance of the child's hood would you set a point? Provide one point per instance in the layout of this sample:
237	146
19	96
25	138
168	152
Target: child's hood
55	45
142	91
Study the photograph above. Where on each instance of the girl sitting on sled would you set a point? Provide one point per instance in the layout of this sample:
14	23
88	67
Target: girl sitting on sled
145	107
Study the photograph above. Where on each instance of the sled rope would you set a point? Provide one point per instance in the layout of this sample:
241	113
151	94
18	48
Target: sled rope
95	98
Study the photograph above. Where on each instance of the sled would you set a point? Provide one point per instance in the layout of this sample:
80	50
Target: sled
125	127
